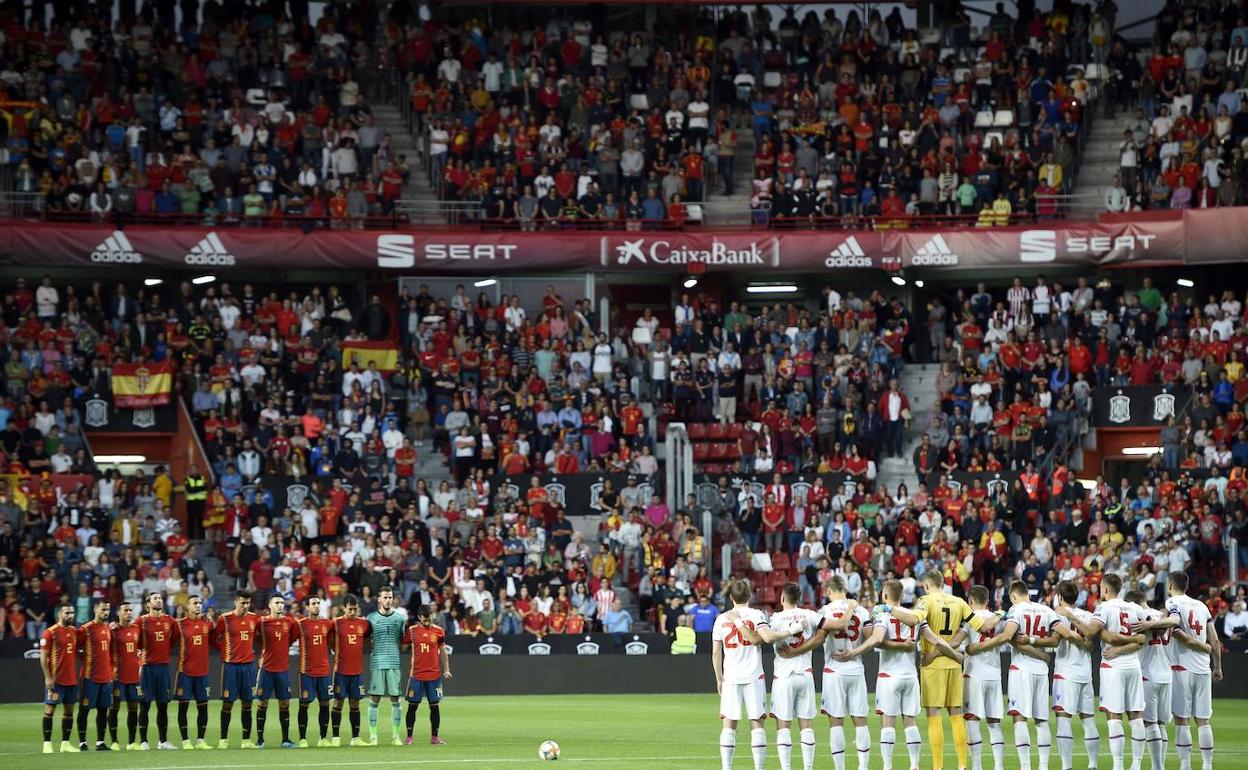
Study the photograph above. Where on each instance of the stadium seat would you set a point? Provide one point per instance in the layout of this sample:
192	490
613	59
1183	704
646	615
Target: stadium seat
767	595
780	561
984	119
777	579
1003	118
716	431
696	430
734	430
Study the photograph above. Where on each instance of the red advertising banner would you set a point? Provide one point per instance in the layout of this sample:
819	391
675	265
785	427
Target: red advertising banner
1215	235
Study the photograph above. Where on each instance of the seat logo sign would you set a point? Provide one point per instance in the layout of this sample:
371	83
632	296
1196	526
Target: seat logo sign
399	251
1042	245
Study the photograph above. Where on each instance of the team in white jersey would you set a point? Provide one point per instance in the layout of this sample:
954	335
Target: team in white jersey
1072	683
793	685
982	691
1156	660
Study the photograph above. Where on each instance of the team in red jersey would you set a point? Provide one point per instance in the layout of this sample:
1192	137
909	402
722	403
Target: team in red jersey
350	631
127	660
58	657
194	639
430	665
277	632
235	636
157	634
95	640
315	637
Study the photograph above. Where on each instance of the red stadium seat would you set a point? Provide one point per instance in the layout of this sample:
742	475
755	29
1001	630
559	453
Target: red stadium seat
716	431
767	595
696	430
780	561
778	578
734	430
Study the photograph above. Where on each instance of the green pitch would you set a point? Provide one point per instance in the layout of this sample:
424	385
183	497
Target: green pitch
612	732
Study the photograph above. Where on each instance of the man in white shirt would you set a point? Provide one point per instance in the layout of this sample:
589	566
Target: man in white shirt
983	683
1156	661
793	684
47	298
1072	692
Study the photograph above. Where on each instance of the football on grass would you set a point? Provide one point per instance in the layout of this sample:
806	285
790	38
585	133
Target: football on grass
549	751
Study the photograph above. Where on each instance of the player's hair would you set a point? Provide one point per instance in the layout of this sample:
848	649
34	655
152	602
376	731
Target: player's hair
934	578
148	596
1113	582
1178	580
1134	596
739	591
1019	587
978	594
424	611
64	606
385	590
791	593
350	601
243	595
1068	591
892	590
835	583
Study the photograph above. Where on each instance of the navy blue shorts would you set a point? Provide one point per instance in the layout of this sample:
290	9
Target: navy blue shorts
418	689
349	686
273	684
127	693
60	693
238	680
314	688
155	681
96	695
192	688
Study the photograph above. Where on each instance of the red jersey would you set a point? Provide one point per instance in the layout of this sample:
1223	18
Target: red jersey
95	645
157	633
314	636
235	636
349	635
126	658
194	637
426	646
61	644
276	636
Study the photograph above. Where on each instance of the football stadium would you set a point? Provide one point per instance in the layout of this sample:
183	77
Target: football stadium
631	384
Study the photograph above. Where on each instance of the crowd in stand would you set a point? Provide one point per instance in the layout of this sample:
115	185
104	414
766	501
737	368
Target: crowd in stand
512	388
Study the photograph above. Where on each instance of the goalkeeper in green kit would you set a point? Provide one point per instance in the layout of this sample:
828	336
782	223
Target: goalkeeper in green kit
385	667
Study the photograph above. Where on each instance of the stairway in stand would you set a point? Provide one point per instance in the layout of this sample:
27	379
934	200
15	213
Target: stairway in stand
918	382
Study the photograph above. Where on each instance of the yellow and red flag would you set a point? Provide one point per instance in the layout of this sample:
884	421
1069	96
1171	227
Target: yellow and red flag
142	386
363	352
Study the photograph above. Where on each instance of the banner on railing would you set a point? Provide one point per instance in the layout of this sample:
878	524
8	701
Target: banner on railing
580	494
1138	406
713	496
1197	236
142	386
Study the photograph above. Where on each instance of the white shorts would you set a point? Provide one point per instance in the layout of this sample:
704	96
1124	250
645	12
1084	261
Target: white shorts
1158	702
1122	690
1191	695
793	698
753	693
1029	694
1073	698
983	699
897	697
844	695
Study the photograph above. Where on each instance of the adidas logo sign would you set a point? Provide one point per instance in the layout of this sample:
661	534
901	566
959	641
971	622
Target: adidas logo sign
116	248
210	252
935	252
848	254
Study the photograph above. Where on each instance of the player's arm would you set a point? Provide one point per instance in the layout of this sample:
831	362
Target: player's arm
1089	629
1071	635
1006	634
43	662
717	663
1116	639
1032	652
1123	649
1169	621
813	642
941	646
1187	640
910	617
875	639
762	633
1215	653
446	660
842	622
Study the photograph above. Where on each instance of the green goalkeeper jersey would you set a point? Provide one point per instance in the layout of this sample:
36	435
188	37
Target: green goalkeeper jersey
387	633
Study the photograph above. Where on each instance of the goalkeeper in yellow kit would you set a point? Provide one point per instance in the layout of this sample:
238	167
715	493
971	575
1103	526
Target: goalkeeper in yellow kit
940	678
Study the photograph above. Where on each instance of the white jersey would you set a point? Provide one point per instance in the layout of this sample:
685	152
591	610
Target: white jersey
743	662
847	638
1194	620
898	664
984	665
1033	619
1156	657
1073	662
1118	616
810	621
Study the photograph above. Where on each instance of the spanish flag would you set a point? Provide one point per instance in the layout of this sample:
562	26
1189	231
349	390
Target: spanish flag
364	352
142	386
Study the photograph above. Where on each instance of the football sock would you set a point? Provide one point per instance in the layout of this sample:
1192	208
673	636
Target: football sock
302	720
784	747
322	718
226	708
1156	749
1183	745
975	744
996	740
758	747
372	717
184	707
246	720
1205	735
336	721
47	727
958	724
411	718
936	740
1138	734
1065	743
807	737
435	719
283	718
836	739
82	725
1044	743
888	739
1115	742
727	748
1022	742
354	716
396	717
262	717
914	743
162	721
145	711
201	719
112	720
67	726
1091	741
862	742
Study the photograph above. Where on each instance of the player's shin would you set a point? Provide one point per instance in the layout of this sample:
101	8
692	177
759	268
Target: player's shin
322	719
354	716
47	726
758	747
727	746
262	716
975	743
396	717
184	707
435	719
82	725
302	720
283	718
957	724
336	721
996	741
807	737
112	720
836	741
246	720
1065	743
914	745
862	742
132	721
101	725
411	718
162	721
1044	743
226	708
1116	741
784	747
936	739
1205	736
145	711
1091	740
1138	742
201	720
67	725
1183	744
888	740
1156	749
1022	743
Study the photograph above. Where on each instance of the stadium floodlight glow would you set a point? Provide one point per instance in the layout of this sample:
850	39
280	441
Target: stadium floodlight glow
690	283
485	282
775	288
1186	283
918	282
897	279
203	279
153	281
121	458
1141	451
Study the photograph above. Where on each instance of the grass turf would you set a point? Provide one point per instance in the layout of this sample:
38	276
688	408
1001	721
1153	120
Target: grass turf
624	732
